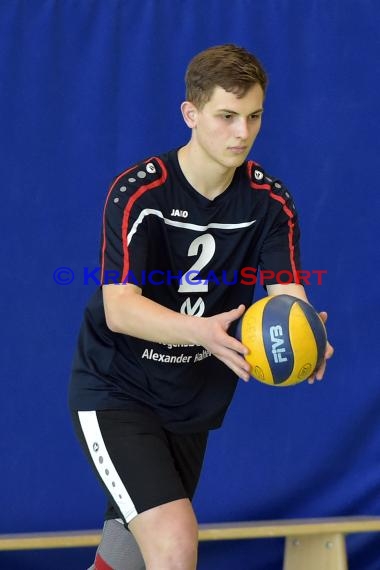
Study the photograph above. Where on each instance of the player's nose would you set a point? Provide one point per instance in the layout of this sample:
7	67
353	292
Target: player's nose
242	131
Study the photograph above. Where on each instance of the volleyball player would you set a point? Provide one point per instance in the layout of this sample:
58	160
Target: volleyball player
157	362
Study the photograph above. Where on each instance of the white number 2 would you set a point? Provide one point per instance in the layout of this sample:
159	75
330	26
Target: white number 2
190	281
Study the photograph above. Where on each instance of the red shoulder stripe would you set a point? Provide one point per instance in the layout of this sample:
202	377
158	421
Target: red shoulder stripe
127	211
287	211
104	218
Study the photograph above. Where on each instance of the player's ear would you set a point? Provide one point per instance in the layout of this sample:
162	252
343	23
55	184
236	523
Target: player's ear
189	113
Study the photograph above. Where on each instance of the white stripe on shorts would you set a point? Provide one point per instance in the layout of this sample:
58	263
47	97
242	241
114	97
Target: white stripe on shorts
103	463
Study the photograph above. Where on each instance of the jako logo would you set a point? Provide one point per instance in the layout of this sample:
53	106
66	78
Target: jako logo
180	213
276	335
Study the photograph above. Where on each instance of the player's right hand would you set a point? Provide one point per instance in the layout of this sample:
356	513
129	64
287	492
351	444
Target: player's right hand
212	335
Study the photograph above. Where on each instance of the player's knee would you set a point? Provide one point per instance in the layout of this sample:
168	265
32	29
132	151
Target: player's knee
179	556
178	551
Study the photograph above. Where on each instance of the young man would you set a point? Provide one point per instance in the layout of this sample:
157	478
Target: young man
157	363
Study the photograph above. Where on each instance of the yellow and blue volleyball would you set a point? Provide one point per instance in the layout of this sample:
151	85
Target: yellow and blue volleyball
286	339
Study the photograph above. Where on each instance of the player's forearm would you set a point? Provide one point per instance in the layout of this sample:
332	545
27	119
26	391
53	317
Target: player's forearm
293	289
143	318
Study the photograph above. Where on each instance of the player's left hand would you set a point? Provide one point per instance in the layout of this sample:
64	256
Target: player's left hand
318	374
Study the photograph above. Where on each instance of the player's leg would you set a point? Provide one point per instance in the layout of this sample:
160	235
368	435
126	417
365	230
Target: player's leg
167	536
119	550
176	519
133	459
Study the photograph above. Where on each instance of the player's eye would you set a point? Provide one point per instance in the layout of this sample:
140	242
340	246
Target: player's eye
227	116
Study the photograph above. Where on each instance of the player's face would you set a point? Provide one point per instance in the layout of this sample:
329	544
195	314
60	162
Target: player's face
227	126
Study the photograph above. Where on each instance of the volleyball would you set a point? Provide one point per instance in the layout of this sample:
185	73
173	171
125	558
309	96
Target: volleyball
286	339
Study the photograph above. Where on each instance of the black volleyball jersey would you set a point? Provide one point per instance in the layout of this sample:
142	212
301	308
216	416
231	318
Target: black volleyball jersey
190	254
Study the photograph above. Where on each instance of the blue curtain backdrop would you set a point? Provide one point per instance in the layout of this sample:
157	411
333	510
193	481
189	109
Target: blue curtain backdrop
88	87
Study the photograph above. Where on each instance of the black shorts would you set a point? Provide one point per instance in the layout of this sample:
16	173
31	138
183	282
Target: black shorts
140	464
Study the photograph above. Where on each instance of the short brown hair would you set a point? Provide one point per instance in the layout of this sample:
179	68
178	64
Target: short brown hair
228	66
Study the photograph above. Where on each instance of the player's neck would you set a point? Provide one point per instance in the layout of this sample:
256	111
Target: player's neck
207	176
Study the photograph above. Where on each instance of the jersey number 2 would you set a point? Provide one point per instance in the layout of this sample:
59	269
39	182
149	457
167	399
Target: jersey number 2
190	282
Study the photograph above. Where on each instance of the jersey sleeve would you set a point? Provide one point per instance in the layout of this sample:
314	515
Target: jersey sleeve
125	229
280	254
